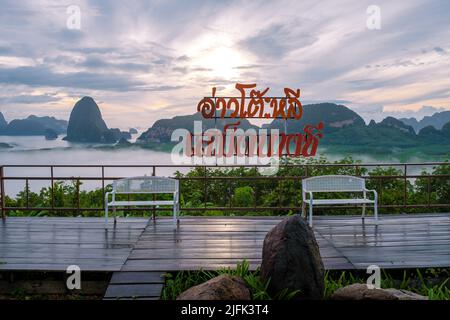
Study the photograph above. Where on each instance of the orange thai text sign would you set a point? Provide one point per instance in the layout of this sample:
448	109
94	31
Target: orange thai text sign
254	103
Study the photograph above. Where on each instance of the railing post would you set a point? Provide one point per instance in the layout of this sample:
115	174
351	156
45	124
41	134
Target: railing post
52	188
154	196
103	188
2	193
27	191
78	196
405	200
230	195
205	187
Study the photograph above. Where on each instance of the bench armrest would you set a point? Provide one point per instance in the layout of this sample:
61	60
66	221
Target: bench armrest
375	194
310	195
107	197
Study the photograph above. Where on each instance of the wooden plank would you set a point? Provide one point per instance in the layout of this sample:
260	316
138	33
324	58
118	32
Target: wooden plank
56	266
135	285
136	278
133	290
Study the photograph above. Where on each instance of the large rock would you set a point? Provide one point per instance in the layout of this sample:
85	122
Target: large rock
123	142
118	134
50	134
4	145
86	123
359	291
291	259
223	287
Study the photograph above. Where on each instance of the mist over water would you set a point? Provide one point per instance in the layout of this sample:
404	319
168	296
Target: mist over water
36	150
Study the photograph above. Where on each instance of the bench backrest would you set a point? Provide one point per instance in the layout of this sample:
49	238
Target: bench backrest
146	184
333	183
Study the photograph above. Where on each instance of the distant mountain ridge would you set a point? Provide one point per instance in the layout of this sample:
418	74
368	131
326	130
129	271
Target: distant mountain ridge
342	127
32	125
162	129
437	120
333	116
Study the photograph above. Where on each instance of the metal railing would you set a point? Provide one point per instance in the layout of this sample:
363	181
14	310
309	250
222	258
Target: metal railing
206	180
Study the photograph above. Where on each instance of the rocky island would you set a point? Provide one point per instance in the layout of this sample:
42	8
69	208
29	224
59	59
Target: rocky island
87	125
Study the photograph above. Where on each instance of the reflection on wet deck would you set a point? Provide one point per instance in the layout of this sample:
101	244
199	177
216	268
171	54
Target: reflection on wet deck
398	241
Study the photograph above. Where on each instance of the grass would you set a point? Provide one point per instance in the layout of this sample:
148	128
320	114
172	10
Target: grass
181	281
433	282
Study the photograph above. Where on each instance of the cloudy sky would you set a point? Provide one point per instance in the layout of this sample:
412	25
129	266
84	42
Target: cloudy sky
143	60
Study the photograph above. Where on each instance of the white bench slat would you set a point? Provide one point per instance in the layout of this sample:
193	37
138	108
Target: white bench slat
336	183
143	185
340	201
139	203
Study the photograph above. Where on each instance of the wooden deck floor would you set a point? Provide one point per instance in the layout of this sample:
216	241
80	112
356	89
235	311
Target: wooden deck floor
51	244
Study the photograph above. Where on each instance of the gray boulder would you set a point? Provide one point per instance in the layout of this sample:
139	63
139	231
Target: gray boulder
223	287
359	291
291	259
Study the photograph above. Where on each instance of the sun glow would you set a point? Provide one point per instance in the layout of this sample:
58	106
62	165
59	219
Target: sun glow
216	56
223	62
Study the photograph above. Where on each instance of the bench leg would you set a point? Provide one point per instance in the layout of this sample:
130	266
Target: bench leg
375	212
363	211
310	214
115	219
303	209
175	220
106	216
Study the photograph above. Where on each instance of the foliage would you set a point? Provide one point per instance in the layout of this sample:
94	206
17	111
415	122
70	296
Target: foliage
246	187
433	283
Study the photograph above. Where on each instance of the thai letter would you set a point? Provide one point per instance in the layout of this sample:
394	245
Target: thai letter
207	106
312	139
295	108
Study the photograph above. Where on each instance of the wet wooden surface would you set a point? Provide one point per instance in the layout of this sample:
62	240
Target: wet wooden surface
142	285
52	244
398	241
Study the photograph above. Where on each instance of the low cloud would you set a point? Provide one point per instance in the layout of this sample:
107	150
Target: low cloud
277	40
42	76
29	99
418	114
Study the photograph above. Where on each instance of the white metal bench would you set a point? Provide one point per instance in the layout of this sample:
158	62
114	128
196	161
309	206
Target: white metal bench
143	185
336	183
